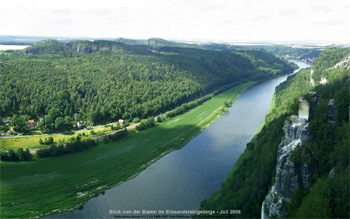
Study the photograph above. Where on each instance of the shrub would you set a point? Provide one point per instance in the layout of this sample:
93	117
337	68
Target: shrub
146	124
19	155
136	120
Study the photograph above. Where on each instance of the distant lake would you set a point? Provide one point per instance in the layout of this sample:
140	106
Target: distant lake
185	177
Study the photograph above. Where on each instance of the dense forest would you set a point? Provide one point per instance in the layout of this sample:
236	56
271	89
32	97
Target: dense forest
247	185
103	81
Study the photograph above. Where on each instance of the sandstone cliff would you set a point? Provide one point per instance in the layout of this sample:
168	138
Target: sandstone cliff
290	174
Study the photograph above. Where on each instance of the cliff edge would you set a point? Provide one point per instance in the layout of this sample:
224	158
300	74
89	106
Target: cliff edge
291	174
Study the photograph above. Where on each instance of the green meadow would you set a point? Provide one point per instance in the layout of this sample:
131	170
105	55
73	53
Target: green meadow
60	184
24	142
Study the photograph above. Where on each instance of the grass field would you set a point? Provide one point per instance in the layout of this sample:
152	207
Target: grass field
60	184
7	143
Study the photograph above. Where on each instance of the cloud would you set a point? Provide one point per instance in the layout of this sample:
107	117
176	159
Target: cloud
179	19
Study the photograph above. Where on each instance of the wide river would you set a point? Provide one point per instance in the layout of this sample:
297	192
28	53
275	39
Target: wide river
185	177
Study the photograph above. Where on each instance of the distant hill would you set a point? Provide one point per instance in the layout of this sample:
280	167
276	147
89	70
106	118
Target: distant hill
129	41
302	53
106	80
306	53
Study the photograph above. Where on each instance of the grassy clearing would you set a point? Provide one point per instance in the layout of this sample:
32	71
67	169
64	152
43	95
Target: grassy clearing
60	184
24	142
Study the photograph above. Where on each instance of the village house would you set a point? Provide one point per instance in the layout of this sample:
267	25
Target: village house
31	124
80	124
121	121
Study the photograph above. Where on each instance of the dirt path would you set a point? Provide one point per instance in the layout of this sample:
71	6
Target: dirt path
100	137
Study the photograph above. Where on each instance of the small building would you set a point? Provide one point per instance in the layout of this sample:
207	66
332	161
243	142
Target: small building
5	120
31	124
121	121
41	119
80	124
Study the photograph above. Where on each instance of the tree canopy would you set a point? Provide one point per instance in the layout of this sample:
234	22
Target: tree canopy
103	81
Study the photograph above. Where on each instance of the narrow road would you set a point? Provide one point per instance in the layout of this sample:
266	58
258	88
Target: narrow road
103	136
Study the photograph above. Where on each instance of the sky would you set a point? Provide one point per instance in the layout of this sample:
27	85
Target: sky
326	21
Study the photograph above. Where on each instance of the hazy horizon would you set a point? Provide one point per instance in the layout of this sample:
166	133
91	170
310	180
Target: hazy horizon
35	38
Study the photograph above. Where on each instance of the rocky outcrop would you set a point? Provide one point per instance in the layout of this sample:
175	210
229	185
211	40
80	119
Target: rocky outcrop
323	81
86	47
312	81
76	45
291	173
304	108
84	50
71	44
345	64
106	49
28	51
331	111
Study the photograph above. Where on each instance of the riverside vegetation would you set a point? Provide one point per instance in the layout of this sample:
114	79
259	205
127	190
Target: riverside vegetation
247	185
103	81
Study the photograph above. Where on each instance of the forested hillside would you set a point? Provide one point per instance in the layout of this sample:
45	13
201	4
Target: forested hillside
246	187
308	53
104	81
293	52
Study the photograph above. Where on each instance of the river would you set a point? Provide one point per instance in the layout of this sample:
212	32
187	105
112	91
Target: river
185	177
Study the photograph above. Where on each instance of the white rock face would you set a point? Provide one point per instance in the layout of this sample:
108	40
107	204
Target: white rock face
263	215
345	64
323	81
312	82
304	109
290	176
287	172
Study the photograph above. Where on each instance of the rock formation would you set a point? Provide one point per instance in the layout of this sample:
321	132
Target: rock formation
331	111
291	174
345	64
